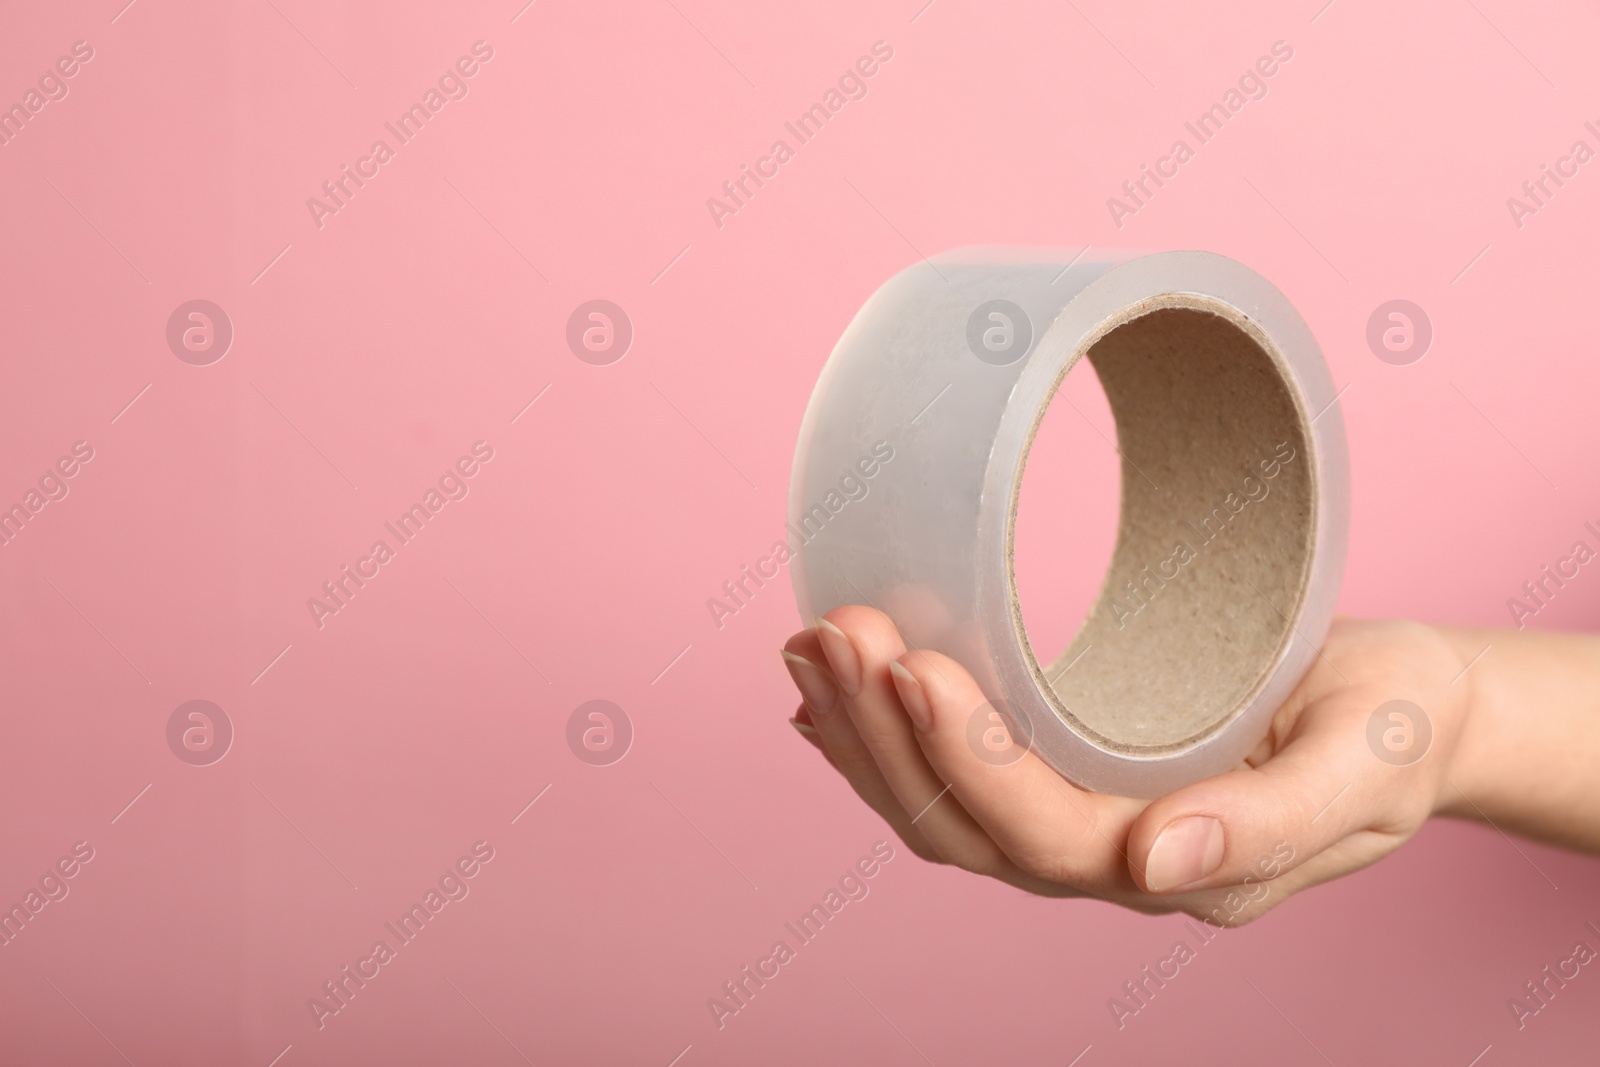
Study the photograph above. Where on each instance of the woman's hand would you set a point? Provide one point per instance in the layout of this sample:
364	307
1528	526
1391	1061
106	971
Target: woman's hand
1312	802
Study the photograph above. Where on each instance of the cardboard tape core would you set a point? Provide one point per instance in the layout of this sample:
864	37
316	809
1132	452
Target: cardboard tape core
1215	535
1235	496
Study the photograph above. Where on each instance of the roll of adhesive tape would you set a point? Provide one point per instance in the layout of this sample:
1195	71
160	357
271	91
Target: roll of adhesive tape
1235	498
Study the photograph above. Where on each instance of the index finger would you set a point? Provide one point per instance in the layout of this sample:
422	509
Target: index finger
1046	825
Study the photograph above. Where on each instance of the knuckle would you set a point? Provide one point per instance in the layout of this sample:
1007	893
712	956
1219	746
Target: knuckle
1048	865
868	626
882	736
1081	833
1034	864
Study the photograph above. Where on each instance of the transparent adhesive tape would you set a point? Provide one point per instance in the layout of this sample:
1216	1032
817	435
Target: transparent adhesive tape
1235	498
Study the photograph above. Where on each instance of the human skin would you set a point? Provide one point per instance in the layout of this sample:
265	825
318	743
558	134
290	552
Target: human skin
1516	739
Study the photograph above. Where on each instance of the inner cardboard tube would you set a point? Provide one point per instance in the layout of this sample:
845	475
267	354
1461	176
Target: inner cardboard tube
1215	536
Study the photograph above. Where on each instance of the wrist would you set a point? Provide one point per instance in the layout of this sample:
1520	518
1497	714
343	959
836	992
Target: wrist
1461	739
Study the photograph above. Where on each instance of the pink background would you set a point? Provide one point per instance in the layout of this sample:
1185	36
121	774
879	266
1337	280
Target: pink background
424	716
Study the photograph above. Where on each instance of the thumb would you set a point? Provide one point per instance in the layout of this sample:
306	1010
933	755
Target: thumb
1256	823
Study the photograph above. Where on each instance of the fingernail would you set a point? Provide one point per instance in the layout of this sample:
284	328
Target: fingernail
816	688
912	696
807	732
841	656
1186	851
